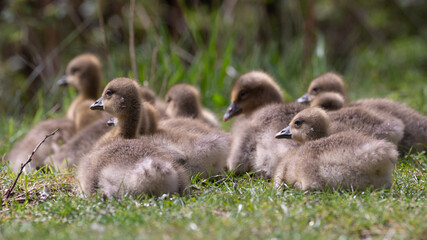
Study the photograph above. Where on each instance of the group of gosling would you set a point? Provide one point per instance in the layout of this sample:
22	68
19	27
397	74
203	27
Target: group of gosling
137	144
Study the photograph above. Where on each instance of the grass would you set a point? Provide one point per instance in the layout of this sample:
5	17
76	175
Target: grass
229	207
225	208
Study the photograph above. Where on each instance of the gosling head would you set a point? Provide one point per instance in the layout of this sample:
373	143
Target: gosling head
328	82
121	97
83	73
251	91
183	100
329	101
309	124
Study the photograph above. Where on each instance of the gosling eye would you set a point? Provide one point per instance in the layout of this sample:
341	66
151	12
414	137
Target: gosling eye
243	93
298	122
315	89
74	70
109	92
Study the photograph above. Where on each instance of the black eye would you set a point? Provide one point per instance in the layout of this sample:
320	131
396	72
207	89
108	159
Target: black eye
74	70
315	89
298	122
243	93
168	99
109	92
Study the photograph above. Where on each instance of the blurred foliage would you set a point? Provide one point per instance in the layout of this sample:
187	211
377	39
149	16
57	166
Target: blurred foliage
379	46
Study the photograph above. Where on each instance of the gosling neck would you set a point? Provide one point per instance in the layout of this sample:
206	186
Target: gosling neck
129	124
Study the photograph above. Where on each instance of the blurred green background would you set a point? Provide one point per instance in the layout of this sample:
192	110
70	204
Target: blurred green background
379	46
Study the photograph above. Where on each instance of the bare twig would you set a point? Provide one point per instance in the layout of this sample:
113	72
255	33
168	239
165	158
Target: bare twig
37	69
67	40
132	39
28	161
104	35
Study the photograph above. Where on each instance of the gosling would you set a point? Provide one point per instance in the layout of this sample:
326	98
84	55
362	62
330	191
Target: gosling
120	163
347	160
183	100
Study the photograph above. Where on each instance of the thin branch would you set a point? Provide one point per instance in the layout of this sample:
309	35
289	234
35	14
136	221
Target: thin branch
104	35
9	191
37	69
70	37
132	39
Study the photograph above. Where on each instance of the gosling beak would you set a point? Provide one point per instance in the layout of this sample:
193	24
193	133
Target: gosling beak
110	122
232	111
304	99
284	133
62	81
97	105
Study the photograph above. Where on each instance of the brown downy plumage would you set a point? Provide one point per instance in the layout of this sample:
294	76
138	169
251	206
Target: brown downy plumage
328	101
345	160
160	106
149	120
82	142
415	130
183	100
264	125
24	147
69	154
328	82
255	150
120	163
363	120
206	148
251	92
132	167
83	73
257	99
